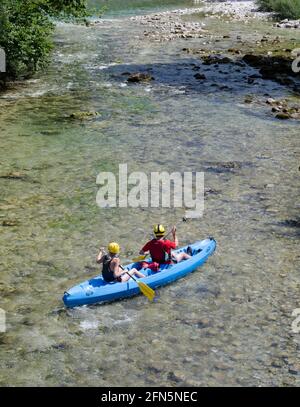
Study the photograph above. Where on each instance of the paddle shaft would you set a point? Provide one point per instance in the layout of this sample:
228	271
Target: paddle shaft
170	231
128	273
145	289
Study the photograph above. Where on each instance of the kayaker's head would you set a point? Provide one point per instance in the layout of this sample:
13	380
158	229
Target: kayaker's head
159	231
113	248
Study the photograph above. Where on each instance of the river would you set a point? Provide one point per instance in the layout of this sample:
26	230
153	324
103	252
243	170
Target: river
227	324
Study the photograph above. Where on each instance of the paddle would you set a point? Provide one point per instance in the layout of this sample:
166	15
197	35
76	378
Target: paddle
145	289
139	258
184	219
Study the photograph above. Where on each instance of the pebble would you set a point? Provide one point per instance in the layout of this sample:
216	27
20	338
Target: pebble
277	364
188	359
176	376
221	366
294	369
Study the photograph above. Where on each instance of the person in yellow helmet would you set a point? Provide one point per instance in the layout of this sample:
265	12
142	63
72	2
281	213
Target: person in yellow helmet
161	249
111	269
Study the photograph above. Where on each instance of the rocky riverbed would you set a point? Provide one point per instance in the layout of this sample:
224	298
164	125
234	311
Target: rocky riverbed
288	24
113	94
270	52
167	26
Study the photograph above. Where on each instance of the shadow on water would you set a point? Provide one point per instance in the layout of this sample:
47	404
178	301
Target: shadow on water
292	227
194	76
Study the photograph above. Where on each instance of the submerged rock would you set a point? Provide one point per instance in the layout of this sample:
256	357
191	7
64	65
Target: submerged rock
211	191
221	366
216	59
50	132
248	99
10	223
6	289
283	110
14	175
219	167
283	116
276	68
140	77
83	115
200	76
295	223
234	51
295	369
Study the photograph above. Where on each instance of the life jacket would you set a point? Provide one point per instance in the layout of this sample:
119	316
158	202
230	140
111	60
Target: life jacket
107	273
158	252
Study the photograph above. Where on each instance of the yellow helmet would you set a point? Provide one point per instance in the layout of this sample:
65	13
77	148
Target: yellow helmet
114	248
159	230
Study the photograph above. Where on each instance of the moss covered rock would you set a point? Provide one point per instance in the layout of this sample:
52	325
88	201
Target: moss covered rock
84	115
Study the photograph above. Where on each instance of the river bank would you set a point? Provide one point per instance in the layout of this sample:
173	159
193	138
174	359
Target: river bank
228	324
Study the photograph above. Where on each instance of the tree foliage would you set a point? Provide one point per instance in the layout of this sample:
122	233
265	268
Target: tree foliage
26	28
284	8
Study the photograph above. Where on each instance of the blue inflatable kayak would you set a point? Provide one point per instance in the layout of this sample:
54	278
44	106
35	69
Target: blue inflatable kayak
97	290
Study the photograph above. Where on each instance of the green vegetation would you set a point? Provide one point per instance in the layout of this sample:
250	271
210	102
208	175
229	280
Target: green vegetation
26	28
284	8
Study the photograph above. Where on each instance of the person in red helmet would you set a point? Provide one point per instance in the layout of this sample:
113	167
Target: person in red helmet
161	249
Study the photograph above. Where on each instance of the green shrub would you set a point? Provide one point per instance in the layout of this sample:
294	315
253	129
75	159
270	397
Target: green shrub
287	8
264	5
284	8
26	31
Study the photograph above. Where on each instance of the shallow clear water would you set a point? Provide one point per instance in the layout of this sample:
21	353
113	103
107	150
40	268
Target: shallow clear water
229	323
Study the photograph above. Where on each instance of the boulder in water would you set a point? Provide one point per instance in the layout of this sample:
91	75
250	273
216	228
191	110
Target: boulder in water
140	77
200	76
84	115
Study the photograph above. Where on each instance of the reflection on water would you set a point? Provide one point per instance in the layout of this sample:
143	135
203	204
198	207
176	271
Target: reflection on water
135	7
229	323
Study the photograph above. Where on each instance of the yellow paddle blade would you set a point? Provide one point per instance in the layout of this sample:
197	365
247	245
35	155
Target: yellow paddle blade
139	258
146	290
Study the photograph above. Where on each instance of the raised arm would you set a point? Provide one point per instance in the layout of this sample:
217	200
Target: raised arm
145	249
100	256
175	239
